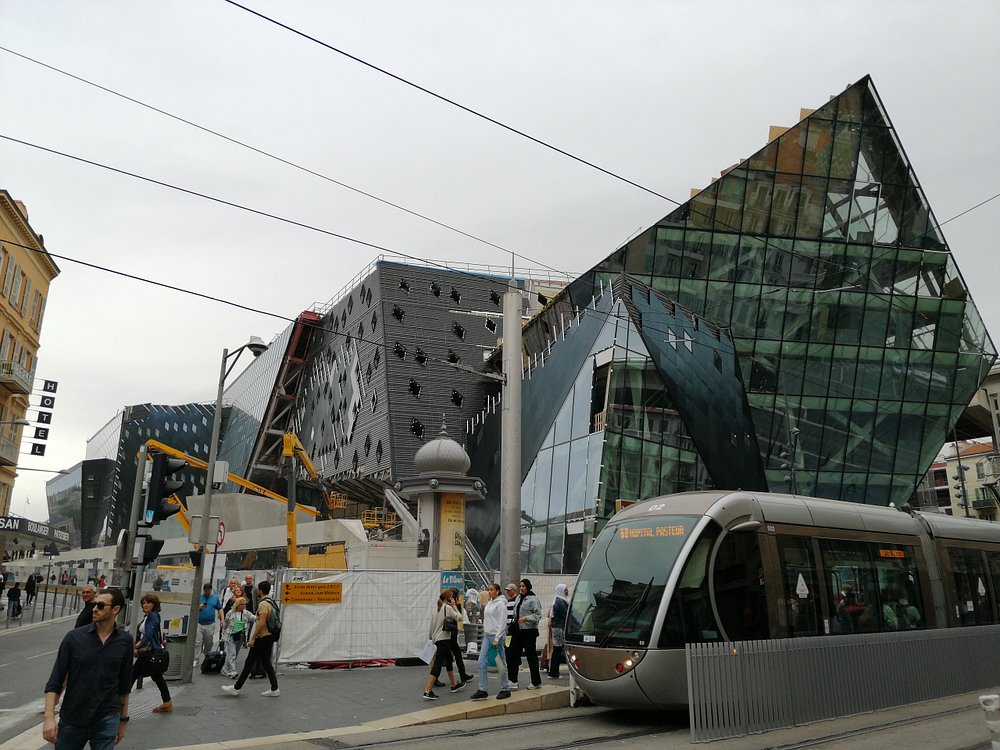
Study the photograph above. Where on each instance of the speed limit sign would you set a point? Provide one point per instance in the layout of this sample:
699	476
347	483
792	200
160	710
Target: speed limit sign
222	534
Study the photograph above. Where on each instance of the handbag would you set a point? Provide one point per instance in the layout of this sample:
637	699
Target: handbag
158	662
512	628
450	626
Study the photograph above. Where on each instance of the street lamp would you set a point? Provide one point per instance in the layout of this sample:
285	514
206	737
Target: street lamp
256	347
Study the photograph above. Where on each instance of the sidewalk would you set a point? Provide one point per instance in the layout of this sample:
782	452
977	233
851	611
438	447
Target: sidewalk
311	701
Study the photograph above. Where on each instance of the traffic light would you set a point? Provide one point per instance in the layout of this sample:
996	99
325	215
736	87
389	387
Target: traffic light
150	549
161	486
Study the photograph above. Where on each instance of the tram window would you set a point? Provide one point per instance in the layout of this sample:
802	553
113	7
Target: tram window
689	617
852	585
874	586
971	590
801	591
898	586
738	583
619	589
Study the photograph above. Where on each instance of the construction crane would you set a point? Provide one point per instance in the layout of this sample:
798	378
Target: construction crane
292	450
197	463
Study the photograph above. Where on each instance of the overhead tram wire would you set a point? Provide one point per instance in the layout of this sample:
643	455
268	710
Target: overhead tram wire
221	300
275	157
241	207
545	144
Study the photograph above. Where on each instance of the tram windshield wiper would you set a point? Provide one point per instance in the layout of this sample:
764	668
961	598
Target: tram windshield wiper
634	607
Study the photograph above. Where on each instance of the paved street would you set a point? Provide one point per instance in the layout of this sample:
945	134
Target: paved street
382	705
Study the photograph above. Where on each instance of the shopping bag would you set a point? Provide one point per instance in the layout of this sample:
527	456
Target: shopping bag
427	652
492	654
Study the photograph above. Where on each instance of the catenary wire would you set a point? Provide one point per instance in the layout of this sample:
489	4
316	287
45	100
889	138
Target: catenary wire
239	206
269	155
545	144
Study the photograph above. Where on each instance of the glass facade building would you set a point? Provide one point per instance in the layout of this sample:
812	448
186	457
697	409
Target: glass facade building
821	269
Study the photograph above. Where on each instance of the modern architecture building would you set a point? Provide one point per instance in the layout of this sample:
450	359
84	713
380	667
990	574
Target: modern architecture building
799	325
26	270
108	473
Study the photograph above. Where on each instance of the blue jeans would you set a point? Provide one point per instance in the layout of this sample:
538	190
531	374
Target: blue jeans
101	734
501	661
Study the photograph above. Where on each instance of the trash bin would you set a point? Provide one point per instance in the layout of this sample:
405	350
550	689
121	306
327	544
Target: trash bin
175	647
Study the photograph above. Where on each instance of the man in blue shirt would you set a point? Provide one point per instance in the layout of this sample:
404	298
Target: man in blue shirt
95	665
209	621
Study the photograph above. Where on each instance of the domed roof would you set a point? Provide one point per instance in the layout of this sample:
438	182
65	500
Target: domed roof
442	456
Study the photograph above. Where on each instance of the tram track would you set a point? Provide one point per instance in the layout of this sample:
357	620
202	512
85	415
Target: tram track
538	734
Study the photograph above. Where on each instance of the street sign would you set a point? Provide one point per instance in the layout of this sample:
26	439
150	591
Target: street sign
222	534
312	593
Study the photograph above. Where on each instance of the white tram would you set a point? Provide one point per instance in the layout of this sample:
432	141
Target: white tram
733	566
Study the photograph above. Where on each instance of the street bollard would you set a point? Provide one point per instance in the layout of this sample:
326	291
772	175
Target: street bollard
991	705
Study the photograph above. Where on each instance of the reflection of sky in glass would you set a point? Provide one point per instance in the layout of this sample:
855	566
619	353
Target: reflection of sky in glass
248	395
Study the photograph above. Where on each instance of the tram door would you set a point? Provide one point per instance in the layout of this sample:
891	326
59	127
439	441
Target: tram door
801	593
738	588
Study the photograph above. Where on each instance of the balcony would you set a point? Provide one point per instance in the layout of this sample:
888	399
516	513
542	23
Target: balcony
15	377
985	503
8	452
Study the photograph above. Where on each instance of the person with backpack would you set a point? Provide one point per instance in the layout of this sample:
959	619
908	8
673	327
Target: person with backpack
266	631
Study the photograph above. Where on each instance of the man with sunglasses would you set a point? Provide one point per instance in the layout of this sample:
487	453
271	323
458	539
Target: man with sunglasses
95	665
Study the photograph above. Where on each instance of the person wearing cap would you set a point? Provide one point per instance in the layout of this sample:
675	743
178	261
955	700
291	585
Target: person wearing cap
510	591
209	621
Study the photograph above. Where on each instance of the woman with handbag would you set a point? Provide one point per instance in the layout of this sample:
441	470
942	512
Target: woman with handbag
234	634
444	622
151	657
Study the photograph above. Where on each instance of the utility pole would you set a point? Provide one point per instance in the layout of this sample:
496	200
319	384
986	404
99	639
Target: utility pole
125	617
510	447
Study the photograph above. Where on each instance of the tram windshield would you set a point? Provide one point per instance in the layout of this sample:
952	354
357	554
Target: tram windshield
622	581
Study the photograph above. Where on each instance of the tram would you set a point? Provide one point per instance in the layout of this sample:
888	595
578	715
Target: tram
735	566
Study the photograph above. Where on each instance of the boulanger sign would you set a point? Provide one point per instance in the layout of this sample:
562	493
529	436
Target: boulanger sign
33	529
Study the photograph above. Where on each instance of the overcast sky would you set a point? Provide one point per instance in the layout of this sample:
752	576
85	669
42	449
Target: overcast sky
664	93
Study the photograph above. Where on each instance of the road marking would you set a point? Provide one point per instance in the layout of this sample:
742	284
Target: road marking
38	656
11	717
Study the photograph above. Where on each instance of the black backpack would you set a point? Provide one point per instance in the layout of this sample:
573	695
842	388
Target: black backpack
273	619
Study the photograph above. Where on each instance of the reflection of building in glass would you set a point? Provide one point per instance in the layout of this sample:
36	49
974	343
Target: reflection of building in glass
64	496
855	341
109	471
799	325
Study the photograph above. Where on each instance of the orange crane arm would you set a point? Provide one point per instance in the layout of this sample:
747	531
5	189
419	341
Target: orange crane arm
197	463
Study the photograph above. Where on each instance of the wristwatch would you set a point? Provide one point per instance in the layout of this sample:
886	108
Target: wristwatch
123	719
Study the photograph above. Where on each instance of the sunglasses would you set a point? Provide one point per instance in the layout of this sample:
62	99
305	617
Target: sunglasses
102	605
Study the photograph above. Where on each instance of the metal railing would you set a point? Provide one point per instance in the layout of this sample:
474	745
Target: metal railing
48	603
745	687
15	375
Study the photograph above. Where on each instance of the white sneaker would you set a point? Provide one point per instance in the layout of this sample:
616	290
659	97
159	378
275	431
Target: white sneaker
533	687
271	693
512	686
231	689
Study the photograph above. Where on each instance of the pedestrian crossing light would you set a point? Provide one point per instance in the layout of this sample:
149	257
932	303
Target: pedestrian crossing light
160	487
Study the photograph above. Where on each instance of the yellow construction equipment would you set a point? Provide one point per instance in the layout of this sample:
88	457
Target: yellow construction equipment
197	463
292	450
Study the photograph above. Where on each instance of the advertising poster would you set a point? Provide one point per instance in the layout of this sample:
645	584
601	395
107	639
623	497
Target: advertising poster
452	531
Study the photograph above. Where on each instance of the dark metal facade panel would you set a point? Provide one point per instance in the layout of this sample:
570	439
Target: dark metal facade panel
434	315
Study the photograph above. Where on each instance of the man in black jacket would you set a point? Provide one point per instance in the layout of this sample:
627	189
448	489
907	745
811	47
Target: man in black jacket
85	617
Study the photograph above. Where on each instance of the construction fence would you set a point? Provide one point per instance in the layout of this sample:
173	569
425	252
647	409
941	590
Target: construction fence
363	615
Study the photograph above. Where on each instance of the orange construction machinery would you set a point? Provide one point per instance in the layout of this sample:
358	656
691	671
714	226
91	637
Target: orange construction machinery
292	450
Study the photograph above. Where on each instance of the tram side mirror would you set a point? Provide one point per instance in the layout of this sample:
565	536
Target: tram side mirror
746	527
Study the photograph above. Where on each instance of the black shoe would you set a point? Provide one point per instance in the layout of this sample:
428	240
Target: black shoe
503	694
479	695
438	683
458	686
430	695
